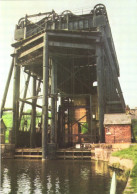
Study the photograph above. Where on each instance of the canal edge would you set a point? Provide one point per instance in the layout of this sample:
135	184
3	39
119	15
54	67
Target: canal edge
126	165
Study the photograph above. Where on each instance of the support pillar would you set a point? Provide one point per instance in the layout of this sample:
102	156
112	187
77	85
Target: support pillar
24	96
100	91
38	89
91	123
53	100
33	115
52	136
45	98
16	93
7	87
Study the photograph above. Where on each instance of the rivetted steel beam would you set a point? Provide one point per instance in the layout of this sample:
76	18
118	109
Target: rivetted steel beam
111	63
30	103
91	122
24	96
7	87
58	44
38	88
72	45
63	34
45	98
16	93
7	109
67	34
113	102
53	99
100	91
33	114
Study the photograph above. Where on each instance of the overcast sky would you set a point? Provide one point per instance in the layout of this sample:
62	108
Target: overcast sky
122	16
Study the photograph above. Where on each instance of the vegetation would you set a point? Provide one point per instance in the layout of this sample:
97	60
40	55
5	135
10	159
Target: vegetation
7	118
130	153
134	128
84	128
25	122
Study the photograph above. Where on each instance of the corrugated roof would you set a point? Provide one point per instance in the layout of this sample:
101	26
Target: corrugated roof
121	118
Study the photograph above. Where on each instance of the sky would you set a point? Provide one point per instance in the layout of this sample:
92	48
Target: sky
122	15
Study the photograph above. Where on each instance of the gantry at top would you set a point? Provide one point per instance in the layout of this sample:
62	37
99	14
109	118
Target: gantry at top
64	27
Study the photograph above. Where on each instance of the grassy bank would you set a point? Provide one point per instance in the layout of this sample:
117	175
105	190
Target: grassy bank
130	153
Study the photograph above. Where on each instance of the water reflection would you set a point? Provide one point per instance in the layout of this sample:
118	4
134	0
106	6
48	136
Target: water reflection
6	182
61	177
23	183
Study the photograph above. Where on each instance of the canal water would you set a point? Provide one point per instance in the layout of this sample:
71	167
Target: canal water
57	176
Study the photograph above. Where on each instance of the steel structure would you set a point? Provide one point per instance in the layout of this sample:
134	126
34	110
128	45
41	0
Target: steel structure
66	53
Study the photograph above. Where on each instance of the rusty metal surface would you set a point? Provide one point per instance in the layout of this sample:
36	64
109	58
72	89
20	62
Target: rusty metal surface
64	21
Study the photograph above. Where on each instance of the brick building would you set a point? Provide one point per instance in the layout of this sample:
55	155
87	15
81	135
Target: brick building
117	128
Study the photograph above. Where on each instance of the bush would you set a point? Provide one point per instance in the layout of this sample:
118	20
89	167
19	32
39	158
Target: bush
134	129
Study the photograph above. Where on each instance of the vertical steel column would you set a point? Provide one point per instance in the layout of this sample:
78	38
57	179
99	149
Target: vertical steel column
91	123
56	120
45	97
52	136
7	87
33	114
16	93
24	96
100	90
38	88
53	100
107	87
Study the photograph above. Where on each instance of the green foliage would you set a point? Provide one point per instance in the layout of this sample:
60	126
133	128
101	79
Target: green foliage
7	118
134	128
130	153
25	122
7	136
84	128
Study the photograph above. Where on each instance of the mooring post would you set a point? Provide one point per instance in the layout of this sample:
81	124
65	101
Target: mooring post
45	98
100	89
33	114
16	93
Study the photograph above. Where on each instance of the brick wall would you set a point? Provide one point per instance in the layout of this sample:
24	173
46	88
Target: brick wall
117	133
79	113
